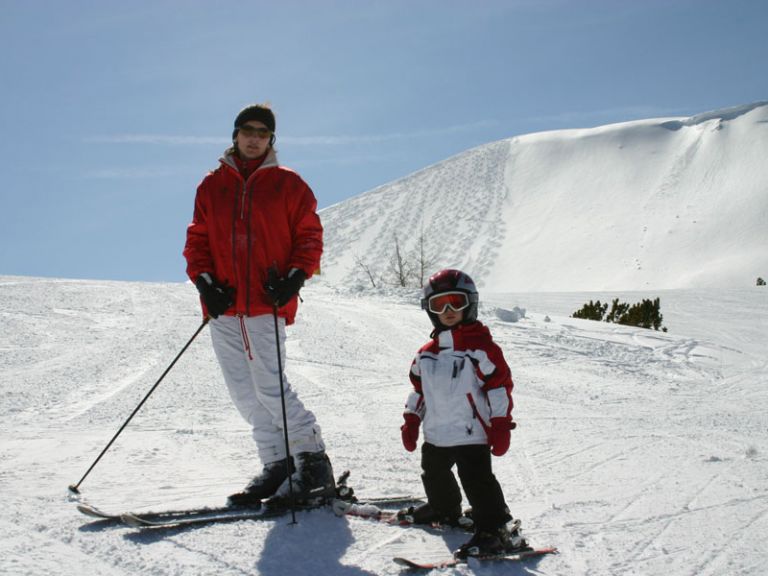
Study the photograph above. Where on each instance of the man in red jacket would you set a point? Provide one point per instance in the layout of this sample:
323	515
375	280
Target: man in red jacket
254	239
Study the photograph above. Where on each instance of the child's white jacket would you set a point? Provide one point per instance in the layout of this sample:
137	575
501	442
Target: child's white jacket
460	381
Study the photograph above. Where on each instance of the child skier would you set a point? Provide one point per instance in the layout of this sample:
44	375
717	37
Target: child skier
462	396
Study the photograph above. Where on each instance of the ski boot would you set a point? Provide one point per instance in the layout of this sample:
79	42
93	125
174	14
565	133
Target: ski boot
262	486
501	540
312	482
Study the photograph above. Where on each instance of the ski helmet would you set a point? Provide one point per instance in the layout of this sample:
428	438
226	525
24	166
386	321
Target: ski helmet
450	280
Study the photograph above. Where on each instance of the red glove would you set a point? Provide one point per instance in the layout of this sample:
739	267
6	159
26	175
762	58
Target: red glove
498	435
410	431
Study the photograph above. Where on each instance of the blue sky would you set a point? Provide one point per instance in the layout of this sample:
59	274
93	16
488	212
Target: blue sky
111	112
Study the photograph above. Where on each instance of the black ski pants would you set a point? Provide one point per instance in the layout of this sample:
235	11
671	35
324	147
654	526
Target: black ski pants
473	462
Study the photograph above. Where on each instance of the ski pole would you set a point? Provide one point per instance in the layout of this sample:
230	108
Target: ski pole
76	487
285	418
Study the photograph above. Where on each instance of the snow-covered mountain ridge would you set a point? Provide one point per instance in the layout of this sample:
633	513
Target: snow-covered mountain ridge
658	203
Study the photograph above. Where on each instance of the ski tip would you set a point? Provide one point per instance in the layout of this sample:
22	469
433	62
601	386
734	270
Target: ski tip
93	512
88	510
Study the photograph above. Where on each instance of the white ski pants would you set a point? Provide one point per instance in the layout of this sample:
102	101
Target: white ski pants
247	354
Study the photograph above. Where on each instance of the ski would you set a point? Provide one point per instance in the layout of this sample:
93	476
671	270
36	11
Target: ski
370	511
210	517
211	514
204	515
387	500
449	562
361	509
226	514
95	512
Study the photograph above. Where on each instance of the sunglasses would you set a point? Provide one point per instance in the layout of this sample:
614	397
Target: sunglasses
246	130
439	303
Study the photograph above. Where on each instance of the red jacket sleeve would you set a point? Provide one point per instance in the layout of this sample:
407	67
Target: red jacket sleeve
197	250
498	384
307	231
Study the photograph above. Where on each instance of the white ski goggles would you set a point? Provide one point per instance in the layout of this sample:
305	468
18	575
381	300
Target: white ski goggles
439	303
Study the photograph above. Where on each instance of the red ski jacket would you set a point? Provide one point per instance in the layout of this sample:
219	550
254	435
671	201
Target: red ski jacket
242	228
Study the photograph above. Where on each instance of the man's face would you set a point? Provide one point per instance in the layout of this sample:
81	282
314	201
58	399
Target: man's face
252	140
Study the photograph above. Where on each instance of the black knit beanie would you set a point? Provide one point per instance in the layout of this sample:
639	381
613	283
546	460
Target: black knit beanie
257	112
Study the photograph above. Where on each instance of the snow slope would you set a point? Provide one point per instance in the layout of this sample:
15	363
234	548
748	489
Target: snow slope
637	452
617	207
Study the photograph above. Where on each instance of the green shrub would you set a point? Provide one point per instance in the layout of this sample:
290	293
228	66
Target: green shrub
591	311
645	314
618	311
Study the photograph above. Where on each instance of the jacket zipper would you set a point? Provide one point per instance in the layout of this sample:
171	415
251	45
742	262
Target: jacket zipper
234	237
248	249
242	202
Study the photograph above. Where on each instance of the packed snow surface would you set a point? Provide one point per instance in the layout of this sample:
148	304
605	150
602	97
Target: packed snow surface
637	452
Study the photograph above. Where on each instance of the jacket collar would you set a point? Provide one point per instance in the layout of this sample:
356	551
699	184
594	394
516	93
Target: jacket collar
445	339
450	338
269	162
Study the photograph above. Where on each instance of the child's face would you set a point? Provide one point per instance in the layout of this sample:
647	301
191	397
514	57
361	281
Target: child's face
450	317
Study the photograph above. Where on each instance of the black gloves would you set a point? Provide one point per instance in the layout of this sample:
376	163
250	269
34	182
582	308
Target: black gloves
281	290
218	297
